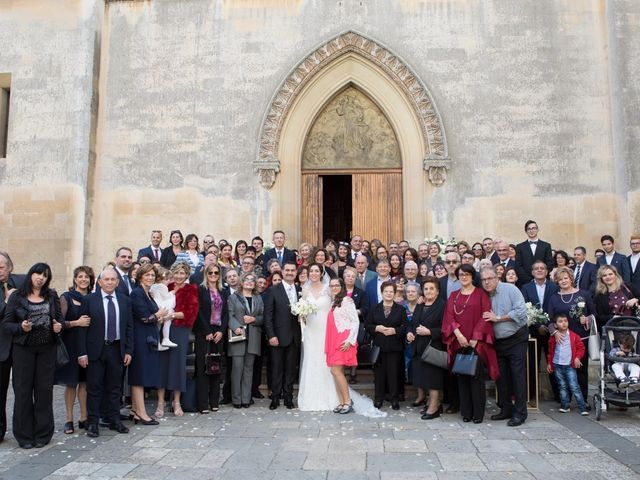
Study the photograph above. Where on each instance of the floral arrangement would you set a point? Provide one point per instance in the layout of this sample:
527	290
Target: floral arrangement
535	315
443	242
578	309
303	308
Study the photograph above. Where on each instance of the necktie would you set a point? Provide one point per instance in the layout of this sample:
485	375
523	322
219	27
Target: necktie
111	319
577	280
127	283
279	257
362	280
155	254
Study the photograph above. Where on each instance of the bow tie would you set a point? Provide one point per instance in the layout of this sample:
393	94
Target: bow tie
533	242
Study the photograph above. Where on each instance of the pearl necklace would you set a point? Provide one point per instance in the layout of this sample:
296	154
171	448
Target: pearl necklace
570	299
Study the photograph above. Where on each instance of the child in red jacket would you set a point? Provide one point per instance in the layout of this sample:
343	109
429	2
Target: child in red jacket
563	359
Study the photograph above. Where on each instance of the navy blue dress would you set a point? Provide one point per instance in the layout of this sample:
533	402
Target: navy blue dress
71	374
144	370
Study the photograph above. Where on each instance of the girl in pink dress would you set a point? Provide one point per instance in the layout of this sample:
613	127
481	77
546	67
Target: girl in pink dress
340	341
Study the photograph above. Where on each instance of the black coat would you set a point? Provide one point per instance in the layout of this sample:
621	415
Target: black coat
202	326
278	320
397	319
525	259
430	317
17	310
6	339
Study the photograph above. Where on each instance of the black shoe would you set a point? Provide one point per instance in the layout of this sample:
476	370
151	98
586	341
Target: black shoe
377	403
257	395
151	421
288	404
237	405
477	420
275	403
466	419
92	431
245	405
515	422
68	428
26	446
40	445
83	424
501	415
429	416
118	427
395	405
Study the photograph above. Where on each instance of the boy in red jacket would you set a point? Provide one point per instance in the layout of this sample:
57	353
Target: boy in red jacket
563	359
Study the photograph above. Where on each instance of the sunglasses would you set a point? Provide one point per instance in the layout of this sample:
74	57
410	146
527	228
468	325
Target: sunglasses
215	272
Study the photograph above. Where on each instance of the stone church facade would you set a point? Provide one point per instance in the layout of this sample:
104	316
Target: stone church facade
230	117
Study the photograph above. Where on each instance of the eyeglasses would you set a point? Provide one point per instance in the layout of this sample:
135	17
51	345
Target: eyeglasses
213	272
249	279
451	262
247	263
532	228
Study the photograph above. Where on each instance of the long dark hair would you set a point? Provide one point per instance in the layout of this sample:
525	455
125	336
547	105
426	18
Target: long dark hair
337	300
27	287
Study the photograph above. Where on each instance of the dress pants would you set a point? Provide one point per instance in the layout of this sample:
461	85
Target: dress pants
583	371
512	362
385	375
5	374
283	370
242	378
472	393
208	386
33	388
104	385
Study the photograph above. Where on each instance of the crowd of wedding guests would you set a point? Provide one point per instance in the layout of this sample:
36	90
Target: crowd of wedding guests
136	315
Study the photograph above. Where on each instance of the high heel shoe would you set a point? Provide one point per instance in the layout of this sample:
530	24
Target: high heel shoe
177	409
137	419
160	410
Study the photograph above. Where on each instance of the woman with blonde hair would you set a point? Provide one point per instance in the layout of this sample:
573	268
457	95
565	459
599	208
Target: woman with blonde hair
613	295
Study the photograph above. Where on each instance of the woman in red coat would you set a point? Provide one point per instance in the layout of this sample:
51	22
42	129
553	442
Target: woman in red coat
462	327
173	362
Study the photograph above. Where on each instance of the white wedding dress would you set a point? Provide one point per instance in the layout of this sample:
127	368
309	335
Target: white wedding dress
317	389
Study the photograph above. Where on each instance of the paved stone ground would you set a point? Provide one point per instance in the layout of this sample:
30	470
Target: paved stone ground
288	444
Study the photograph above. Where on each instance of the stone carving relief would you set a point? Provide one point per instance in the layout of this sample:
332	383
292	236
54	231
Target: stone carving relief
394	67
351	132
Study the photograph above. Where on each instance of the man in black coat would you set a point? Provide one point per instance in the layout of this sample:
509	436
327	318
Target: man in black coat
8	283
283	331
613	258
529	251
634	260
279	251
584	271
105	348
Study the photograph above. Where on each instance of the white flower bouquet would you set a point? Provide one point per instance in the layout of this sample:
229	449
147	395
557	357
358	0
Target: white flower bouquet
267	246
441	241
535	315
303	308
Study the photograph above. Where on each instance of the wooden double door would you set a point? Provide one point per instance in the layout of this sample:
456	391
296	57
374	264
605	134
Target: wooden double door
338	204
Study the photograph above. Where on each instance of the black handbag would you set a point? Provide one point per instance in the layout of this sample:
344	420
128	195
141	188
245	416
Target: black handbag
435	357
212	362
466	363
62	355
368	353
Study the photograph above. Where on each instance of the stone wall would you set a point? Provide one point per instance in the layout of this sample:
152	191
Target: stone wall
538	98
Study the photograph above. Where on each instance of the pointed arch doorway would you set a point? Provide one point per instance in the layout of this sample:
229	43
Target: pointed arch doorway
351	172
295	190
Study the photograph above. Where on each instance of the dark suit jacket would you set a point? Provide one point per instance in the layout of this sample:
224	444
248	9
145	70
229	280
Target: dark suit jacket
148	252
278	320
91	339
635	276
6	339
510	263
122	287
202	326
525	259
287	256
621	263
361	301
168	257
494	257
530	294
397	319
588	277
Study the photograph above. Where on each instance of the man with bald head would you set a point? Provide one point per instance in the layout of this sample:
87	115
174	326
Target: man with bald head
363	274
105	347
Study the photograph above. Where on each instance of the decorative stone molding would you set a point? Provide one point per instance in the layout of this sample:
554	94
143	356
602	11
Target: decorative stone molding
437	168
267	164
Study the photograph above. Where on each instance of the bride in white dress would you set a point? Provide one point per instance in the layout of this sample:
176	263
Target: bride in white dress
317	389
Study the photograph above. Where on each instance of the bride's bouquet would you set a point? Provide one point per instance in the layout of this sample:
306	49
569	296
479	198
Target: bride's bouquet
535	315
302	308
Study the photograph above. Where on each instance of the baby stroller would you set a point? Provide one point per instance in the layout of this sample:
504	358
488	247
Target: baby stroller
610	393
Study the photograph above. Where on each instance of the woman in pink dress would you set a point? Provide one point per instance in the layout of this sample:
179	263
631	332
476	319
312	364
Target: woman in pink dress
340	341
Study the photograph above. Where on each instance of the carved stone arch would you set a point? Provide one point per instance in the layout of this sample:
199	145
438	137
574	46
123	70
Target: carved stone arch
436	159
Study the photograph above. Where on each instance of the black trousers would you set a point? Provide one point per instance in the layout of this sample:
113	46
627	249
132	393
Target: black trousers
450	393
283	370
104	385
33	388
512	362
583	371
208	386
386	375
5	374
472	393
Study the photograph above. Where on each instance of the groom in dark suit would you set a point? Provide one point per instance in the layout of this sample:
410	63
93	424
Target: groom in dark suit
283	332
104	349
529	251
